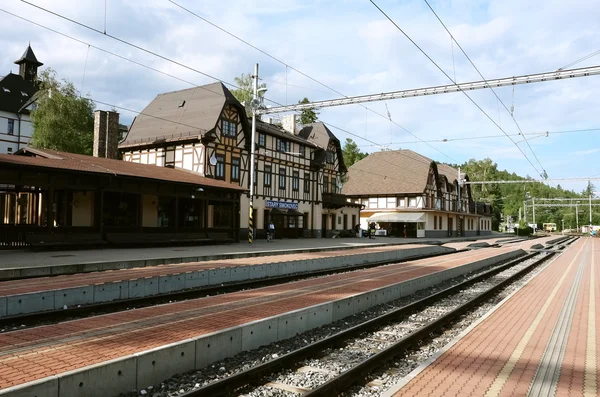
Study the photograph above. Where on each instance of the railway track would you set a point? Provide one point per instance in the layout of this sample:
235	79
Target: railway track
10	323
331	365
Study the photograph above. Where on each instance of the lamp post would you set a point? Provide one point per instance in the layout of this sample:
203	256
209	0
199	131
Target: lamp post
255	105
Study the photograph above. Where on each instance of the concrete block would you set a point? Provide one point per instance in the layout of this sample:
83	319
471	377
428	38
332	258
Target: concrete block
73	296
239	273
45	387
196	279
171	282
122	265
290	324
218	346
9	274
273	269
259	333
156	262
36	272
189	259
343	308
107	292
3	301
257	271
160	364
30	303
320	315
105	379
64	269
361	303
219	276
91	267
141	287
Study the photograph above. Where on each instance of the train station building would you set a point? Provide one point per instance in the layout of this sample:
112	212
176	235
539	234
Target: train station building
298	172
403	190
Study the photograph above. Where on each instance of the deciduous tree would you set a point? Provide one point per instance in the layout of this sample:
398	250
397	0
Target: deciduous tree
62	119
309	115
352	153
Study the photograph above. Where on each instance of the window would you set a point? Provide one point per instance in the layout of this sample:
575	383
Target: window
391	202
235	168
412	202
229	128
333	185
284	146
325	184
435	223
11	126
220	167
306	182
295	181
401	202
329	157
302	150
372	203
267	176
339	220
262	140
381	202
282	178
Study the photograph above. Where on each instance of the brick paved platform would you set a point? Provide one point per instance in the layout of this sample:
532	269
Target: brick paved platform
137	348
541	341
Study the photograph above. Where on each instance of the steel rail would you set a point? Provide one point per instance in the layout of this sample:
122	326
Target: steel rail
250	376
55	316
360	371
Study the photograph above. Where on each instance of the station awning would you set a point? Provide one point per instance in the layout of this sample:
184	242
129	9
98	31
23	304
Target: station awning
405	217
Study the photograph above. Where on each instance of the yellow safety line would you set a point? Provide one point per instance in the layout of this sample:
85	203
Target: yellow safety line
501	379
590	385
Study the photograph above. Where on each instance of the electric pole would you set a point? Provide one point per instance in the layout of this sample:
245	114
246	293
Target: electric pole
255	108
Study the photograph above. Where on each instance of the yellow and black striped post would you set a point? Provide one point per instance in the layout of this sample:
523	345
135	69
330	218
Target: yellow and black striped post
250	226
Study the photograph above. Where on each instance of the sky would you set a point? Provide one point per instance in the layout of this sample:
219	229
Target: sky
350	46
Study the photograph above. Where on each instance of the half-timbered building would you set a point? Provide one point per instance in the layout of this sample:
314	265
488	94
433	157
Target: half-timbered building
206	130
403	191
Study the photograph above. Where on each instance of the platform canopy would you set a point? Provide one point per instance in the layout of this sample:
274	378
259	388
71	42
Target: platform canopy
405	217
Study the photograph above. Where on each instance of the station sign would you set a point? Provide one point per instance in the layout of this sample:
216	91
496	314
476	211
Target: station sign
281	204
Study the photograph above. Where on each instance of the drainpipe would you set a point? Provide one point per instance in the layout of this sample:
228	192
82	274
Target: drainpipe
19	134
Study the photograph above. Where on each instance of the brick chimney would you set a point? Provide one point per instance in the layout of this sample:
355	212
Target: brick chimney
106	134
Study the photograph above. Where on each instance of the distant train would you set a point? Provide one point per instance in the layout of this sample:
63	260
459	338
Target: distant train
549	227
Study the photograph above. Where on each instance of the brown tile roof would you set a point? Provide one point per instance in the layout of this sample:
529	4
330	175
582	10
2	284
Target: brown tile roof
180	115
52	159
392	172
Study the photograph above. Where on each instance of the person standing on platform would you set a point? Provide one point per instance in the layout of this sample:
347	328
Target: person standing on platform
372	230
405	230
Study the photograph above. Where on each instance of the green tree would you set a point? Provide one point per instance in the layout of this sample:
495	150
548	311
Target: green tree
62	120
309	115
245	93
352	153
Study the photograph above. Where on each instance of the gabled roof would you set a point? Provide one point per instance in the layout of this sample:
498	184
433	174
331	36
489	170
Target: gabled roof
51	159
320	135
15	92
181	115
28	56
393	172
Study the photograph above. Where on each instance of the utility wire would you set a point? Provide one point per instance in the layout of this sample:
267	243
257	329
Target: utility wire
535	134
593	54
545	175
298	71
162	57
450	78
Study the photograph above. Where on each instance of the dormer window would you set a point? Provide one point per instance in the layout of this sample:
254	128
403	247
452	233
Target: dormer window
229	128
329	157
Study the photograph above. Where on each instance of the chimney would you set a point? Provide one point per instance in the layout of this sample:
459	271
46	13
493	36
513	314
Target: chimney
289	123
106	134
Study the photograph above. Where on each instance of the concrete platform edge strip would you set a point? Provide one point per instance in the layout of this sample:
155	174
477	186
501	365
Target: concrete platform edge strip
404	381
13	273
150	367
12	305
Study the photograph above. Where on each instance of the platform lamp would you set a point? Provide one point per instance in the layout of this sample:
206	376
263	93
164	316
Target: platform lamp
256	104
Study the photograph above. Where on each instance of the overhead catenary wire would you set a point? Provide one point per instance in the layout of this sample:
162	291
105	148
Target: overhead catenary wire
162	57
450	78
593	54
490	87
301	73
475	138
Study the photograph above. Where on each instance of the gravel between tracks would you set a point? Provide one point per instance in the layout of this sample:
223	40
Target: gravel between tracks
318	371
